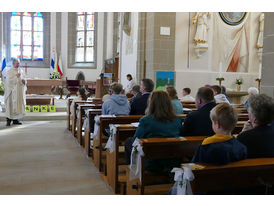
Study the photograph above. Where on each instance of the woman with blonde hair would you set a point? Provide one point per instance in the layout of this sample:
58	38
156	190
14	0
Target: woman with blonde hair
177	105
160	121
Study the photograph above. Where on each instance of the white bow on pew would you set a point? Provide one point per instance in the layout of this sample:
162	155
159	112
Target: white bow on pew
112	137
182	179
135	162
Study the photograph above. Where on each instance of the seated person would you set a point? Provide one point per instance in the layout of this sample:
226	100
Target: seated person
251	92
198	123
223	91
117	103
80	96
160	121
135	92
186	95
106	93
176	103
218	96
222	147
259	140
139	105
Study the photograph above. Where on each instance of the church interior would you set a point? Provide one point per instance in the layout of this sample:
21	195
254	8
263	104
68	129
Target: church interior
62	131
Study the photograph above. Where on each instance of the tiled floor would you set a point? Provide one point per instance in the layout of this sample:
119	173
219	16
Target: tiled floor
43	158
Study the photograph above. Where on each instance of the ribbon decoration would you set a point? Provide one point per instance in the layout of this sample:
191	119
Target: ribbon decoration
135	160
112	138
95	133
86	120
182	179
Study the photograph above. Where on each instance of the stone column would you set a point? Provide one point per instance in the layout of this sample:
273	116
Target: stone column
160	49
267	83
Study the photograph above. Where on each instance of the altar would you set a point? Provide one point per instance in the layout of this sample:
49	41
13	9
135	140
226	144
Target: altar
43	86
236	97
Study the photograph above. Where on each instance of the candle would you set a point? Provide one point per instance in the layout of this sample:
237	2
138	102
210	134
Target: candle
220	69
260	71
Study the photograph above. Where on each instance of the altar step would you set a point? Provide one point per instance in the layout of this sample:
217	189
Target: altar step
39	116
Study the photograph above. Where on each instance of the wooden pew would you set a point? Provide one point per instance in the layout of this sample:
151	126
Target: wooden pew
115	163
91	115
233	176
69	113
104	124
74	115
80	121
171	147
123	132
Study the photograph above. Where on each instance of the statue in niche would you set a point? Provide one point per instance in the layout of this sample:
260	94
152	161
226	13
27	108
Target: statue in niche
260	37
127	22
201	19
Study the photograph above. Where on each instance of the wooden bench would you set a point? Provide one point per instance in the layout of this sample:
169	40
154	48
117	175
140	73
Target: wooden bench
91	115
98	143
80	121
74	115
233	176
104	124
116	160
69	113
171	147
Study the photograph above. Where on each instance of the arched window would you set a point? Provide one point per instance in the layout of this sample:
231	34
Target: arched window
26	36
84	51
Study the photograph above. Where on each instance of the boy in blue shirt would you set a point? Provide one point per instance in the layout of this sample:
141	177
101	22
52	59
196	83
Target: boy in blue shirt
222	147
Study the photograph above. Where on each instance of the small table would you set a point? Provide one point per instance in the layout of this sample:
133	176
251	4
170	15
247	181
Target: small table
39	99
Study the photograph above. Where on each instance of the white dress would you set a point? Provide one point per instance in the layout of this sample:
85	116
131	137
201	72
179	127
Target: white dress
129	86
15	96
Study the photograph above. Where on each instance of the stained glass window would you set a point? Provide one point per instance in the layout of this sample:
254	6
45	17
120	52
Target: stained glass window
27	35
84	51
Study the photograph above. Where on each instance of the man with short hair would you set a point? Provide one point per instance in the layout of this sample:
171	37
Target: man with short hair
117	104
14	96
198	123
135	92
218	96
139	105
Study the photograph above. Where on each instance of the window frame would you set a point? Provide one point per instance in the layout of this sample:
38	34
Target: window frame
72	43
46	41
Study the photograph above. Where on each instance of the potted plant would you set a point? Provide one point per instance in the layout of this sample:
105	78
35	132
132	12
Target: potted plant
239	81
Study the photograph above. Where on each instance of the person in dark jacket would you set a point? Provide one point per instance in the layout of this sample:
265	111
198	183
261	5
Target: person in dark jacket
221	148
260	139
139	105
198	123
136	93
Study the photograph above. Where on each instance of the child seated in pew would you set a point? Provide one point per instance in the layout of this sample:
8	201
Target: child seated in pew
222	147
160	121
80	96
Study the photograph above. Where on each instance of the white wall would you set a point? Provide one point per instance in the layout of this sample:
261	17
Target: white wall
128	61
195	72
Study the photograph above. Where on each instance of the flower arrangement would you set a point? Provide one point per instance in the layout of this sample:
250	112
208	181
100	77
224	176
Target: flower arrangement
2	89
55	75
239	81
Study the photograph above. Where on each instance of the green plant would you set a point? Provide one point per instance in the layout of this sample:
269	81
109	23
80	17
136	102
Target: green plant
55	75
239	81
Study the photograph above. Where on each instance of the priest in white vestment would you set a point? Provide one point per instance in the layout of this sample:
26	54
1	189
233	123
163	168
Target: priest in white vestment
14	96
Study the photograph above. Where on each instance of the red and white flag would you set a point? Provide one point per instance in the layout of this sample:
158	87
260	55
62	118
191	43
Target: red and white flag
60	67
